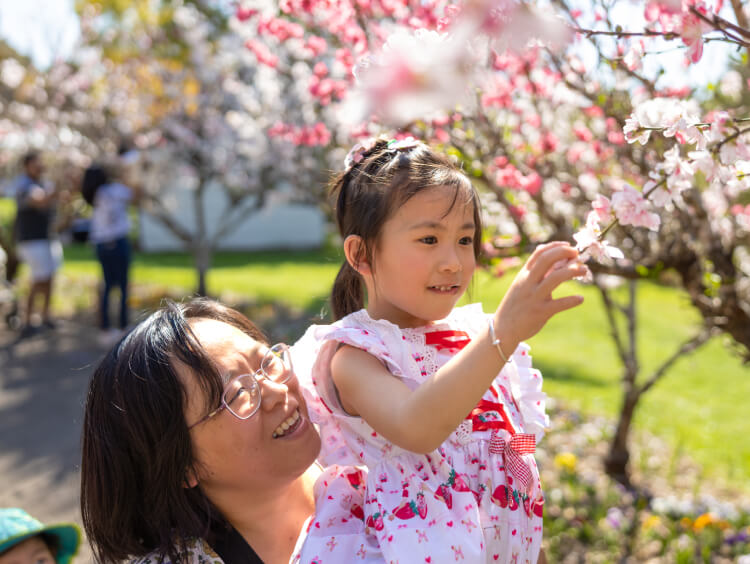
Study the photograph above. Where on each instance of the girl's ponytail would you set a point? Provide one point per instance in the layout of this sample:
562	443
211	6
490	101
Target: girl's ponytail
348	293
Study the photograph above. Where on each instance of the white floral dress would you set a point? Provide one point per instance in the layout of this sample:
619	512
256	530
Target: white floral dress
478	497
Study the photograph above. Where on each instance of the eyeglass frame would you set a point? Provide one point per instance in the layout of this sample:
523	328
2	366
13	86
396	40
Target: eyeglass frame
224	405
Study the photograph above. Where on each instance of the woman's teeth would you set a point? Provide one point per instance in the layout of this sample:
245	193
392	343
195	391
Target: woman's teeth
286	424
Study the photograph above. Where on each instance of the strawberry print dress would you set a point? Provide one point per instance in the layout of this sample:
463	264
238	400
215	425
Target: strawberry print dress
477	498
336	532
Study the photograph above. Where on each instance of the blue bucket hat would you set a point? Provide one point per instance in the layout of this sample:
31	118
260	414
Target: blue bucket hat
16	526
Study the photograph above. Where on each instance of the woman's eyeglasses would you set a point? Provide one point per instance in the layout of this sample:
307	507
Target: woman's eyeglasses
242	395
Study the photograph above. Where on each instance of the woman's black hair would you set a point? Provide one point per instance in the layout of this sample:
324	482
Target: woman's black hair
136	448
94	177
367	195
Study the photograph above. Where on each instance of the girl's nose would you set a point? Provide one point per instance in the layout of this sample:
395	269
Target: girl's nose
451	262
273	394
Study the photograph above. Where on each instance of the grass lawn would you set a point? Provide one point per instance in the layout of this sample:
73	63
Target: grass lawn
697	407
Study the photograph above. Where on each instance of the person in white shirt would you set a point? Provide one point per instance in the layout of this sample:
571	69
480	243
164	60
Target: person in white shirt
110	226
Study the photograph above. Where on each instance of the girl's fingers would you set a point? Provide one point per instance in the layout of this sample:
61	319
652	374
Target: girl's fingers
548	257
556	277
541	249
562	304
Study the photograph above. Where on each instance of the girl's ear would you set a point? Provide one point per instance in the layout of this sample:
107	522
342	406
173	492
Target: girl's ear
354	250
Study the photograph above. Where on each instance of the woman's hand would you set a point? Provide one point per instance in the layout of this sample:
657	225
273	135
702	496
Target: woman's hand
528	303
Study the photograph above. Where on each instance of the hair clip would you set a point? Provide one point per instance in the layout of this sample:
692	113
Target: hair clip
357	153
401	144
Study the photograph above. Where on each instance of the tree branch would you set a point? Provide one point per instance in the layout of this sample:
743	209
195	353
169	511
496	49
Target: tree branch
609	308
687	347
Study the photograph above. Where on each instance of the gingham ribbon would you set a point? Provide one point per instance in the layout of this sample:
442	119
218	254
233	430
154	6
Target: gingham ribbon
512	451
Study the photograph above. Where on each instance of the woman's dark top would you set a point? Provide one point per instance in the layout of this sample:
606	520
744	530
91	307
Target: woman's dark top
233	548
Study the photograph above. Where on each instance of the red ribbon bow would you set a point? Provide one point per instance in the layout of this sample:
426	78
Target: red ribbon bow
455	340
480	422
512	451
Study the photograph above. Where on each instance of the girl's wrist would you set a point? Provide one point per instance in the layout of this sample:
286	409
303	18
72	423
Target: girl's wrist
501	338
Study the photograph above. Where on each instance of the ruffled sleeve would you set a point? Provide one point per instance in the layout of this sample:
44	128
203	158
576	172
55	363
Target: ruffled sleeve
313	353
312	356
529	395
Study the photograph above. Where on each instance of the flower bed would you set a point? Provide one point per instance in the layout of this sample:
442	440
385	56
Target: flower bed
677	517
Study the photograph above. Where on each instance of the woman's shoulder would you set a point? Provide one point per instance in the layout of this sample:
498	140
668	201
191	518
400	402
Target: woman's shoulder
198	552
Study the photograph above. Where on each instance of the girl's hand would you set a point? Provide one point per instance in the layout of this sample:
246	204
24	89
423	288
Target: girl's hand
528	304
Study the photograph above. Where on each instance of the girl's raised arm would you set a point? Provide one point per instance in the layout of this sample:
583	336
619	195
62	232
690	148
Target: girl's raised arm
422	419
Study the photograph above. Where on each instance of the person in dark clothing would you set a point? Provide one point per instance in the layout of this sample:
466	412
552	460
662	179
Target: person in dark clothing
36	244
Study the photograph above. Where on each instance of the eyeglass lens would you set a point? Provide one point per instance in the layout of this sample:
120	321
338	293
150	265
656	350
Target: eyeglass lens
242	395
277	363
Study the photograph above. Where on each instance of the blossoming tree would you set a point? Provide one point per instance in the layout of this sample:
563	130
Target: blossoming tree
645	179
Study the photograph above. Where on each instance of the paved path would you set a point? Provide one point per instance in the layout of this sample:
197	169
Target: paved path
43	382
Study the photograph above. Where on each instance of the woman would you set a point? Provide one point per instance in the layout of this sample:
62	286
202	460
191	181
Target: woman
197	447
110	227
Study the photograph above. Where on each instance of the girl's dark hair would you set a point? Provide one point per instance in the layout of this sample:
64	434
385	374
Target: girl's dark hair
136	448
368	193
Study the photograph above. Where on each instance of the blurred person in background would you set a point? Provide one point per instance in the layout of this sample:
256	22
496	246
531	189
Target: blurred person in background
109	231
36	244
25	540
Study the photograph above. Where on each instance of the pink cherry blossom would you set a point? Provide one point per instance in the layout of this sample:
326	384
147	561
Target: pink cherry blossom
633	59
631	208
692	36
602	207
589	243
633	131
262	53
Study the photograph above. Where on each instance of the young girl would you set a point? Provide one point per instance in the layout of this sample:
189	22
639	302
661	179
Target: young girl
440	404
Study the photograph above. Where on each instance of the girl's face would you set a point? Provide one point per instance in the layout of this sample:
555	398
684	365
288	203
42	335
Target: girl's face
424	259
30	551
234	454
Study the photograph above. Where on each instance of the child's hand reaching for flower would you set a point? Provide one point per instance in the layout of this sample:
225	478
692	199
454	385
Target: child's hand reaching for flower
528	303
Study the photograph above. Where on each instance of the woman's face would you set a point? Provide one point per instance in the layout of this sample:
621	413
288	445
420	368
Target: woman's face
236	454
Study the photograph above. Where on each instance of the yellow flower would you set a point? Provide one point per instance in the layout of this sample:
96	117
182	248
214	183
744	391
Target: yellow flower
567	461
703	521
651	522
686	522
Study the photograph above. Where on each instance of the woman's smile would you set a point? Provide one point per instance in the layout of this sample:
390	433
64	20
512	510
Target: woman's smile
289	425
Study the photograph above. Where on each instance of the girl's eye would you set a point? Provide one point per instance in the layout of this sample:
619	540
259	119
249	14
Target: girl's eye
466	240
430	240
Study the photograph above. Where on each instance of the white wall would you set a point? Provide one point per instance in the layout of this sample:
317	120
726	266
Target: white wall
278	225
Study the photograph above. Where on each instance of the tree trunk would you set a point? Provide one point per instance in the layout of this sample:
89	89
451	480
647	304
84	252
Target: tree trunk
616	462
203	257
